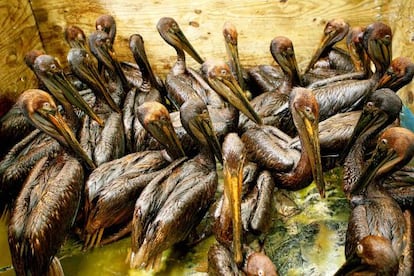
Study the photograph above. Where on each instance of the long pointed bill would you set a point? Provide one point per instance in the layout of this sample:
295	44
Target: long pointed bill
85	69
187	46
232	92
312	146
164	132
233	178
233	53
58	84
290	66
63	130
136	44
323	44
366	121
378	160
208	136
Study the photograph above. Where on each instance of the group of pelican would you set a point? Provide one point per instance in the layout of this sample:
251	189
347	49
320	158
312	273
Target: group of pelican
108	149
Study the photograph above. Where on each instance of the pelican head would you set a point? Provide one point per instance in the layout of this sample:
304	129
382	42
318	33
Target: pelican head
50	72
41	111
84	67
220	78
399	73
382	108
170	31
377	42
155	118
283	53
75	37
107	24
196	120
335	30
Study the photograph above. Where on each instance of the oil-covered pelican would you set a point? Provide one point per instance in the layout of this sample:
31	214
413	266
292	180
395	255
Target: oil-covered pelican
264	104
270	147
47	205
182	82
151	89
230	255
170	207
375	212
102	143
112	189
335	30
101	47
270	78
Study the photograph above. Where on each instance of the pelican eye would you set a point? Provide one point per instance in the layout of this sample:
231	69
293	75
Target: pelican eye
260	272
370	104
53	66
359	249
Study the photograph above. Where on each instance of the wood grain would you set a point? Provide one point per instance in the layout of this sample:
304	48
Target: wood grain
202	21
19	35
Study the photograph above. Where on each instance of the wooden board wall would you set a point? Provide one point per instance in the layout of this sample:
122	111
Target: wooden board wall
19	35
257	23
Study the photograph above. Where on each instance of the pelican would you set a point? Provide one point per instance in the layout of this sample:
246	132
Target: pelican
150	89
169	207
335	30
102	143
264	104
183	82
374	212
228	257
47	205
112	189
101	47
269	147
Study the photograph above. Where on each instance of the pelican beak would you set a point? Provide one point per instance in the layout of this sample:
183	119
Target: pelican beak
233	53
52	122
233	178
102	49
369	118
64	91
86	69
382	159
312	146
165	134
381	49
136	44
389	79
229	89
326	40
181	40
287	62
203	128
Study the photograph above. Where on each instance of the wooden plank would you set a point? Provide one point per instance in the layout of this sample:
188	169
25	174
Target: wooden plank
257	22
19	35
